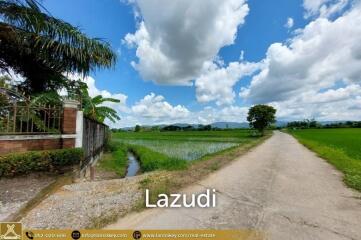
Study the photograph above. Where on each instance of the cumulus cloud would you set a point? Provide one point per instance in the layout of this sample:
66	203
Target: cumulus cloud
304	75
155	107
229	113
338	105
172	45
216	82
120	107
324	8
290	22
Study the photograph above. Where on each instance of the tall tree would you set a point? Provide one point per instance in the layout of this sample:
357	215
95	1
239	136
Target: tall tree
261	116
42	48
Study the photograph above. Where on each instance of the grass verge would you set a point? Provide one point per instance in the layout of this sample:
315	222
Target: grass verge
337	157
115	159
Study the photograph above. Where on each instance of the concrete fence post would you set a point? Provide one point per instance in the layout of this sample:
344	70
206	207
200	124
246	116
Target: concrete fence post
79	129
69	122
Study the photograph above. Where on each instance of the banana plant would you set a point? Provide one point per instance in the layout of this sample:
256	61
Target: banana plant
95	108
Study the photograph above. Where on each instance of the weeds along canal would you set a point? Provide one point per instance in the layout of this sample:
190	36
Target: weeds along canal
133	165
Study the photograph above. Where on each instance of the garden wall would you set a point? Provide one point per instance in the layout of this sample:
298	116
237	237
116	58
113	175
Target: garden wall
70	136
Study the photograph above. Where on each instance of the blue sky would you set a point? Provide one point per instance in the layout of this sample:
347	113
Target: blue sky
162	78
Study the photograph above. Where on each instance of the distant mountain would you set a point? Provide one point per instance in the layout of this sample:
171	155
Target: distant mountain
221	125
225	125
281	123
182	125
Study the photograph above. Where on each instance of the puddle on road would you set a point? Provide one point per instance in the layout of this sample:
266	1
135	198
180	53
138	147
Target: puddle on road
133	165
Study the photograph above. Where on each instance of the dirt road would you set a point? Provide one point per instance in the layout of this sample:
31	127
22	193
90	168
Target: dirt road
280	187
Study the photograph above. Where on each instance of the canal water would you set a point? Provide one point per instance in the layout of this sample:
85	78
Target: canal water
133	165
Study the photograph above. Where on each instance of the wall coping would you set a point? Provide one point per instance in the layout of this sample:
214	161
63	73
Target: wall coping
69	103
36	137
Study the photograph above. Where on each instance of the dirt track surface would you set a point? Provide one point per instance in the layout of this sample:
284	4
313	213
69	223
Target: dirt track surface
279	187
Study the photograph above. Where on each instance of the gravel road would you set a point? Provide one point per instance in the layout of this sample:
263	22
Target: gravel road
279	187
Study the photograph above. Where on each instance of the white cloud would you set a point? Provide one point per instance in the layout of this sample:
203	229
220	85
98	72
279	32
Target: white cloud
226	114
290	22
120	107
324	8
155	107
173	44
14	77
304	75
216	83
338	105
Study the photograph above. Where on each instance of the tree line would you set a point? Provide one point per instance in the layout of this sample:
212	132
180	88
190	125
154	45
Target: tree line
312	123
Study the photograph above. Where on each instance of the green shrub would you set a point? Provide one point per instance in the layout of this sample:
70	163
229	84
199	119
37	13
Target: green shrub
51	160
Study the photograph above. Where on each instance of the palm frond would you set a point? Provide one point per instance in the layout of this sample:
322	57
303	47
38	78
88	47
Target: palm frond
28	36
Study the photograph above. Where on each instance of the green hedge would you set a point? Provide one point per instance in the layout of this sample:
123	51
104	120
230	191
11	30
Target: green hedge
51	160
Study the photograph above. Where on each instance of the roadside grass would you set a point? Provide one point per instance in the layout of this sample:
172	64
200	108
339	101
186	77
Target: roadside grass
340	147
115	159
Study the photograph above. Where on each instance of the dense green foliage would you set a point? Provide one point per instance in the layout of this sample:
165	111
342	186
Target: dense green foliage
42	48
307	123
52	160
347	124
312	123
340	147
137	128
261	116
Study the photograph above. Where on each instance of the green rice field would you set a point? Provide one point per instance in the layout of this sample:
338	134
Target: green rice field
186	150
185	145
175	150
340	147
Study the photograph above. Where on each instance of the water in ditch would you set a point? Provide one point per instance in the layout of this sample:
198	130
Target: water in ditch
133	165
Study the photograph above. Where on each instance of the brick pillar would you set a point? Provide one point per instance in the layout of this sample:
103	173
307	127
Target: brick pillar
70	109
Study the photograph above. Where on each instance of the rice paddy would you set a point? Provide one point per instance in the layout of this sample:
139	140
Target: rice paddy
185	145
186	150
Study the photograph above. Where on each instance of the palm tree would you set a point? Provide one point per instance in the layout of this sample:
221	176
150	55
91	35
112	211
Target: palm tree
94	107
42	48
